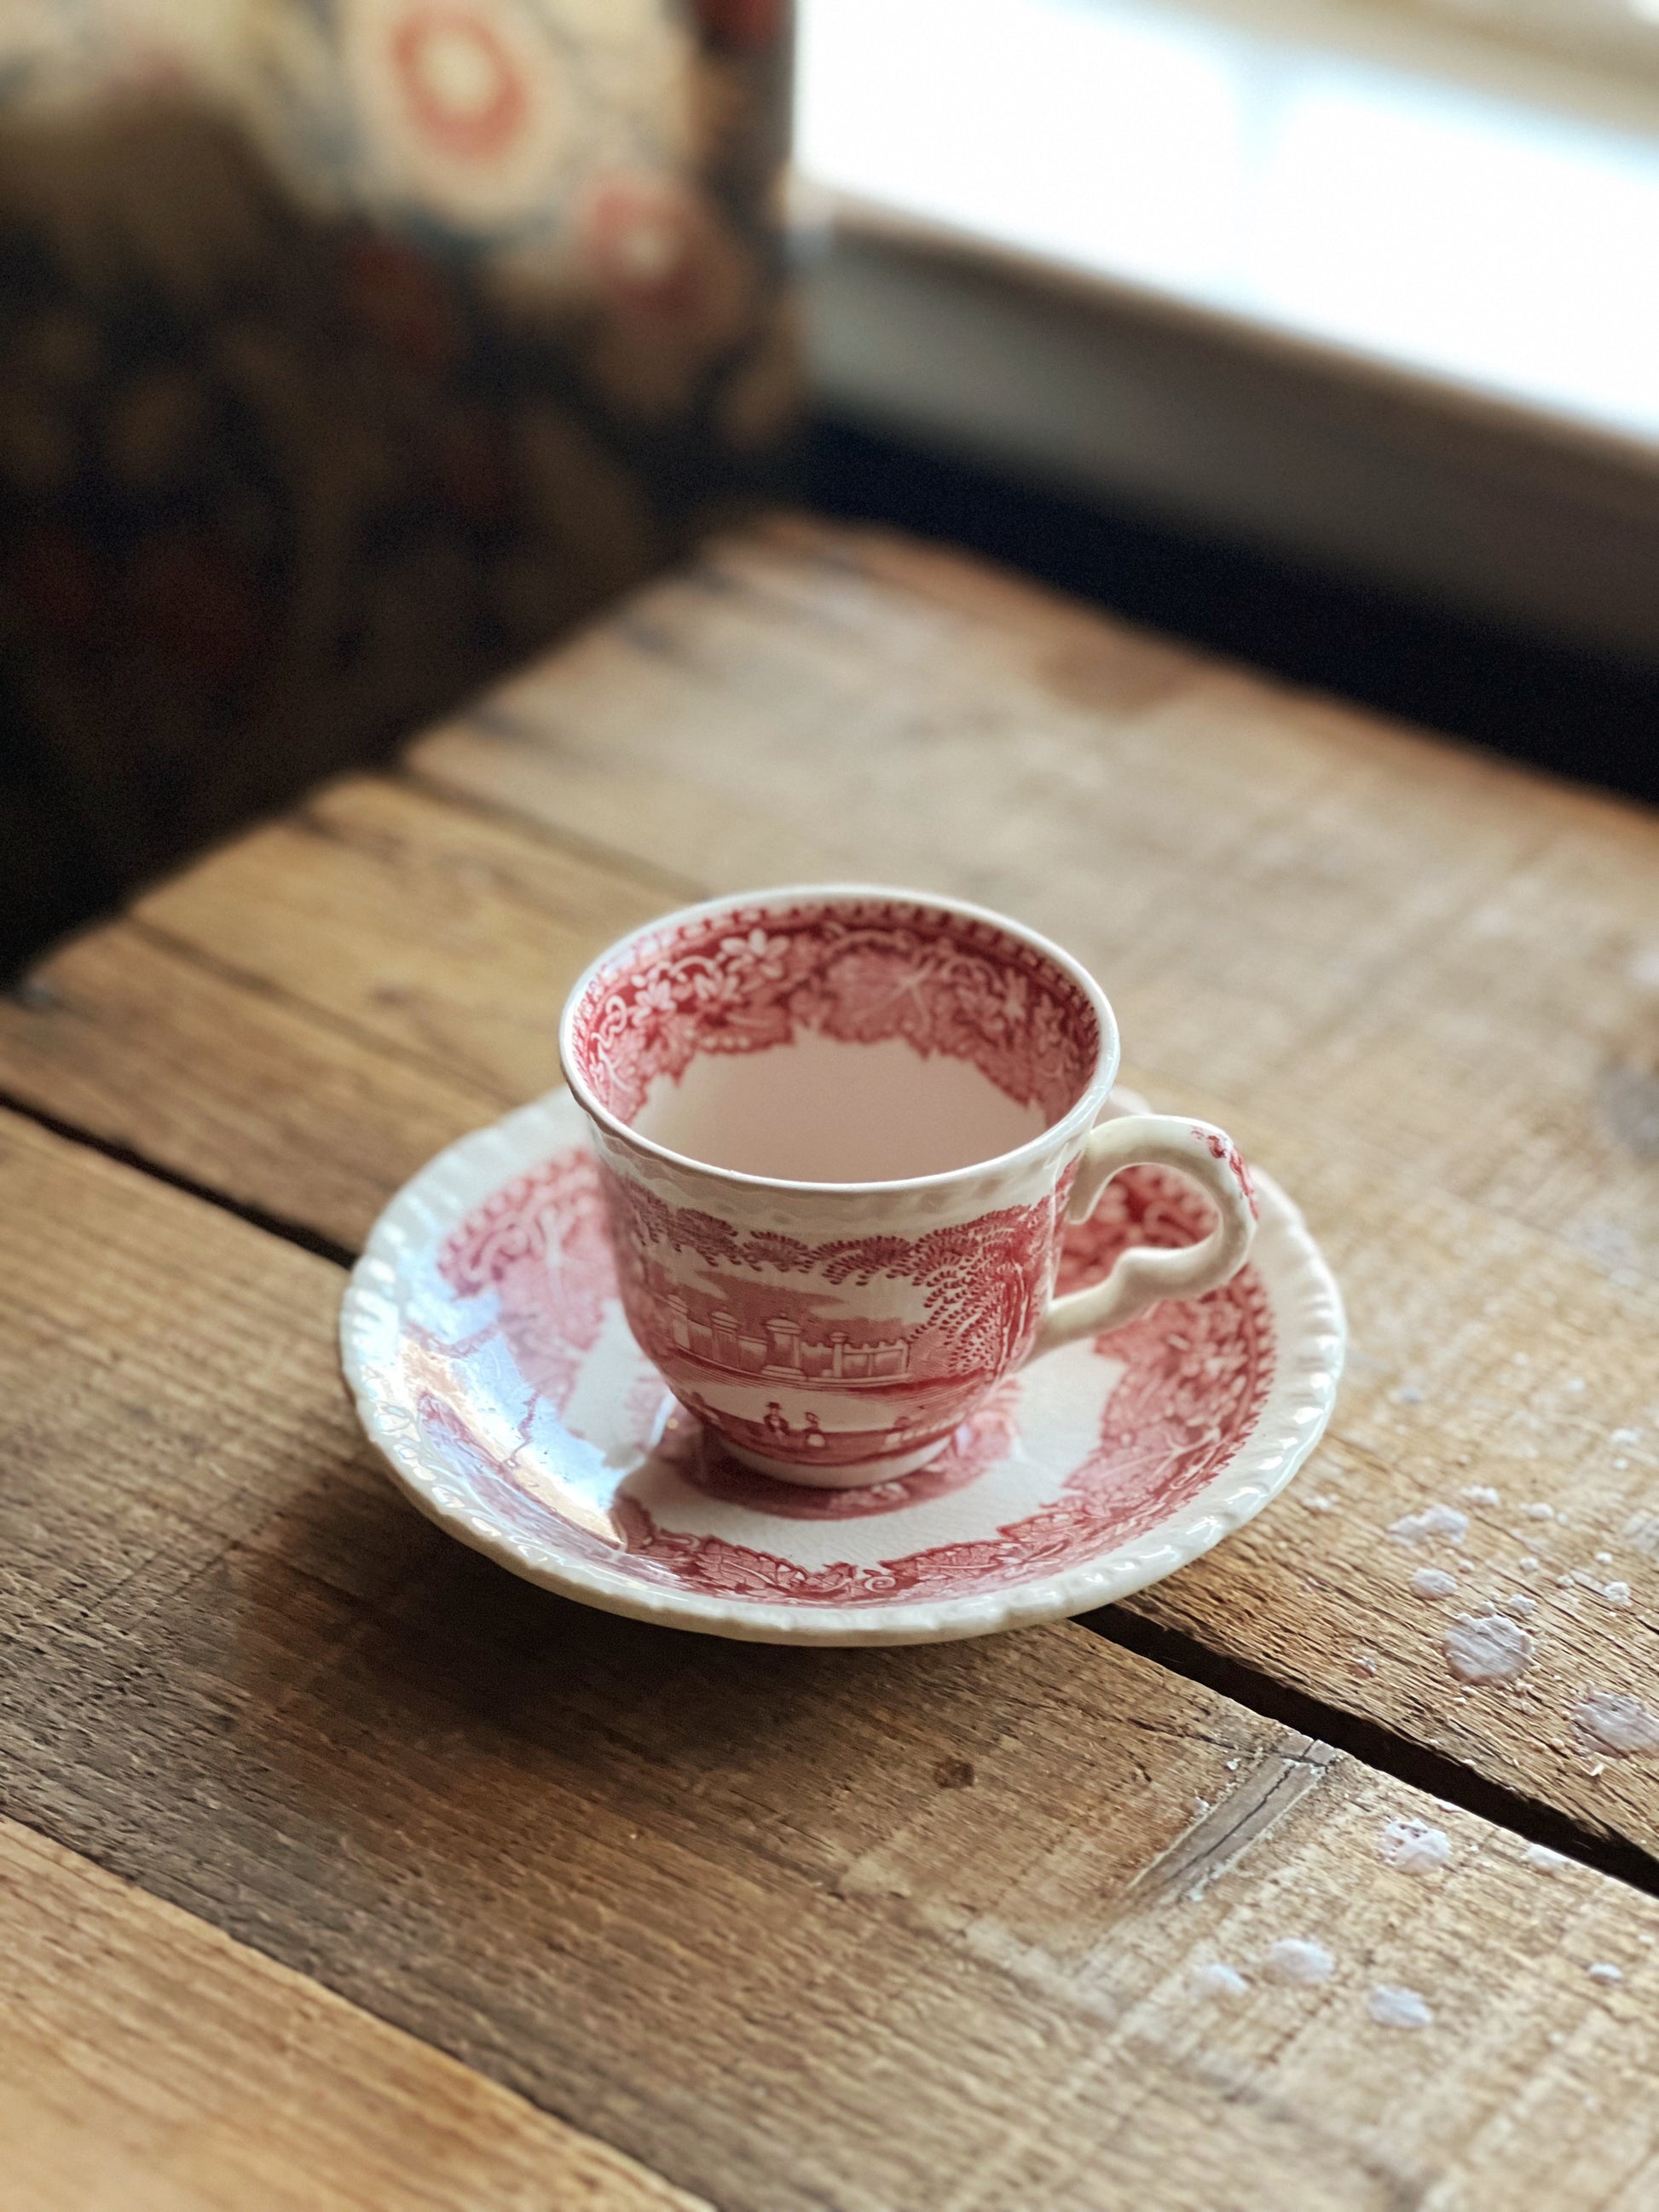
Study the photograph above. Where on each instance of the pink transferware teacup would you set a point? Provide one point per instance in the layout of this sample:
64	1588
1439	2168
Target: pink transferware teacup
839	1131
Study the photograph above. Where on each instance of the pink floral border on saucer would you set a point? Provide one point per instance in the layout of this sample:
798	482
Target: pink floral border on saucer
487	1285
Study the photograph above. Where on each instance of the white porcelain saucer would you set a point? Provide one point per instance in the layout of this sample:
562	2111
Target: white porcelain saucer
483	1338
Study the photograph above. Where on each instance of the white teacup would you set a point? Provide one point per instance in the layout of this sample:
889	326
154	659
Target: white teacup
840	1130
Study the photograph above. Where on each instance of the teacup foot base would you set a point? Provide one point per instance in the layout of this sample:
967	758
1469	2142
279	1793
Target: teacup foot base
858	1477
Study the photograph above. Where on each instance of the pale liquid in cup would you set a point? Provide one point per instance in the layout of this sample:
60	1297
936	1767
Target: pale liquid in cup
821	1110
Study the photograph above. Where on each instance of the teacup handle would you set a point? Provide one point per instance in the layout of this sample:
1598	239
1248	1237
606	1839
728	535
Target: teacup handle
1144	1275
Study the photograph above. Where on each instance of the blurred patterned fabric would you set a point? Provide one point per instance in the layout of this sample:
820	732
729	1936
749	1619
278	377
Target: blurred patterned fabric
350	349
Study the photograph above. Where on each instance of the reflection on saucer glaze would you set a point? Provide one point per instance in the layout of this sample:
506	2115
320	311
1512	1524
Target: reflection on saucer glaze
492	1364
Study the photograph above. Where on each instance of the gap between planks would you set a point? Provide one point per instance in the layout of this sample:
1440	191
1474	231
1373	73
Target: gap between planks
147	2060
1373	1745
291	1232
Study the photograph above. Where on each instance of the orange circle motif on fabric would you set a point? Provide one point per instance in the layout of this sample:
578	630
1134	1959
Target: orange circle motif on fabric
463	88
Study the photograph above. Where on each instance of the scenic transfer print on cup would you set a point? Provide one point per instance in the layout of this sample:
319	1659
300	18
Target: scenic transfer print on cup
839	1133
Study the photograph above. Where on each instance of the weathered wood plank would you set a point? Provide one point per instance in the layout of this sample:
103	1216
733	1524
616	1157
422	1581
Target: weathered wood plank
1494	1373
152	1047
859	1930
1288	900
448	938
148	2063
1489	1351
1423	985
303	1048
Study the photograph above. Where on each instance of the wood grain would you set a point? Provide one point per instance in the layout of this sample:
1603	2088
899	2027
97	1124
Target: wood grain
1025	752
1289	900
303	1050
150	1048
1496	1373
447	938
150	2063
845	1929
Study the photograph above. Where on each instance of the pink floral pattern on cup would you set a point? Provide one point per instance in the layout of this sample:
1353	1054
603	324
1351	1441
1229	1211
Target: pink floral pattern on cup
838	1324
537	1258
772	1320
864	971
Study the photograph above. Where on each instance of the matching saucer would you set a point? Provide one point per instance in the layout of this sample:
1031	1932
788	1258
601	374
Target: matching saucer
485	1345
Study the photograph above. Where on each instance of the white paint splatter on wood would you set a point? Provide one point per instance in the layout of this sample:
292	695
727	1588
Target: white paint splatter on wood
1543	1860
1294	1958
1390	2006
1605	1971
1616	1723
1434	1582
1487	1647
1438	1524
1413	1847
1215	1978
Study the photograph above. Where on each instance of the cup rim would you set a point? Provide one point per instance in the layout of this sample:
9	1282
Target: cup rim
1079	1119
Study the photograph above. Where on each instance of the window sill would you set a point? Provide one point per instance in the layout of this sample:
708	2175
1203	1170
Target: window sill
1453	391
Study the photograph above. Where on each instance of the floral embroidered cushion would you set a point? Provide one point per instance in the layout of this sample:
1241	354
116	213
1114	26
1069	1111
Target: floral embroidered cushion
351	350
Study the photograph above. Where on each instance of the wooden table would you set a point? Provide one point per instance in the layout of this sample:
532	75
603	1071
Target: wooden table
341	1870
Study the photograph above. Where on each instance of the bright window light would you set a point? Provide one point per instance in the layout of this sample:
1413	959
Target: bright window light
1037	125
1471	237
1515	252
